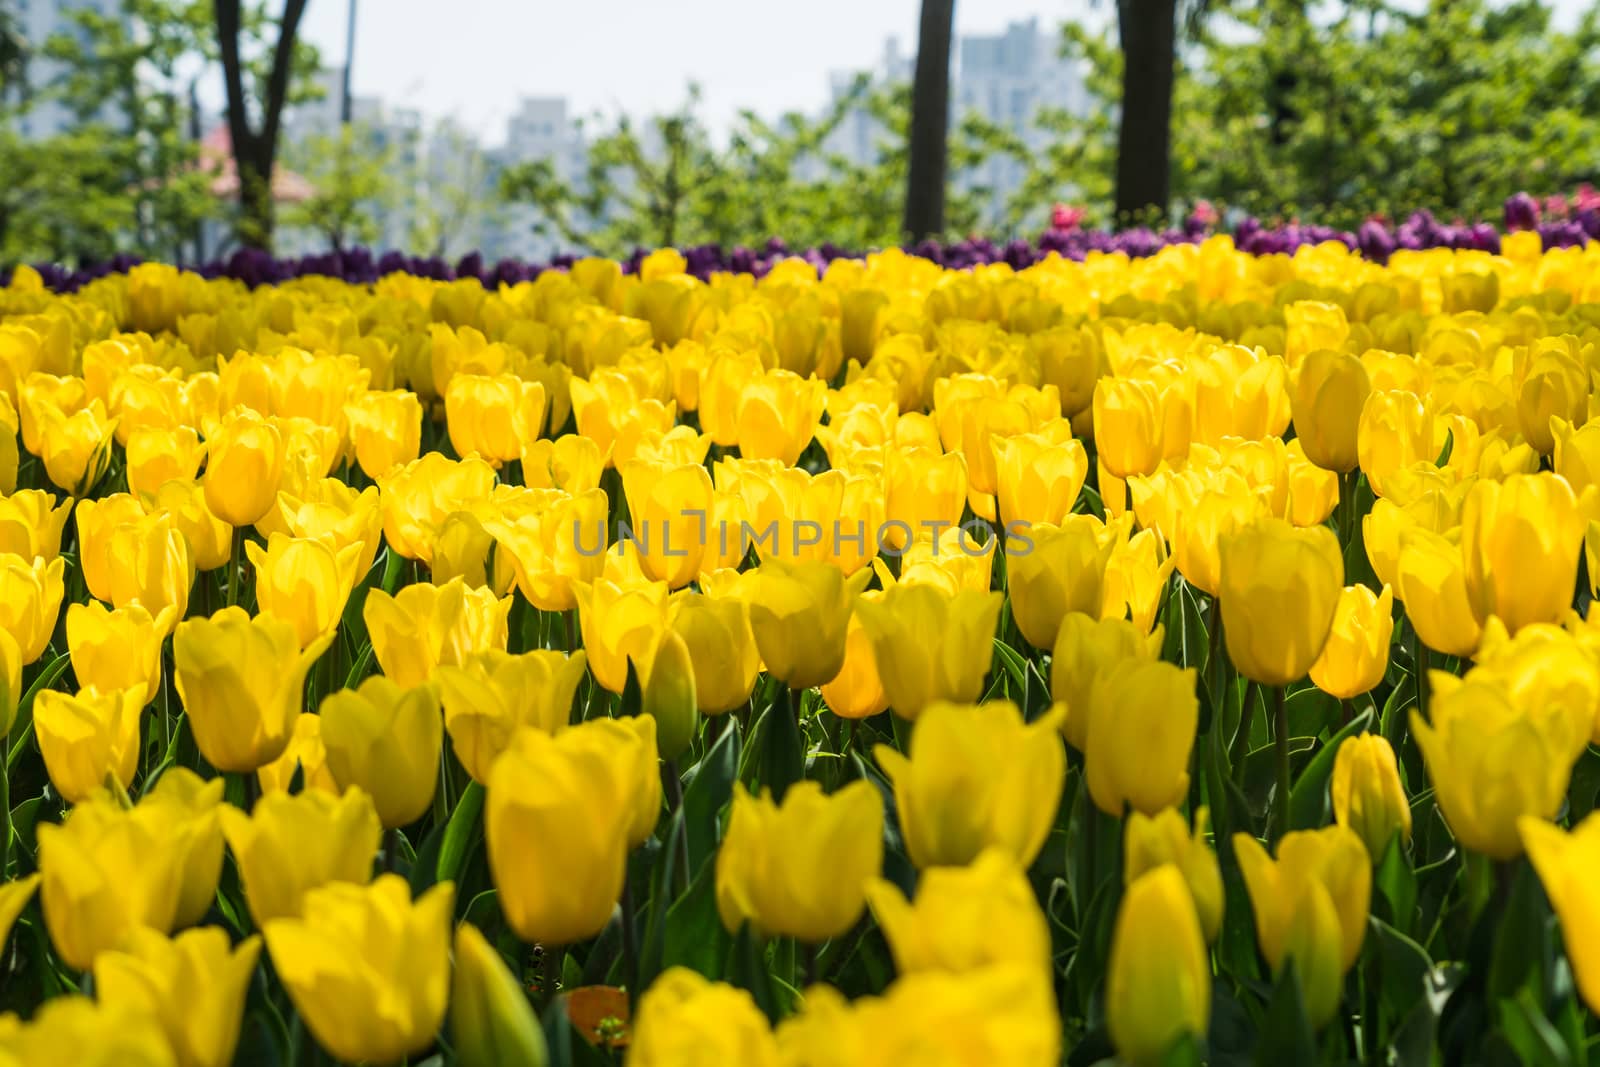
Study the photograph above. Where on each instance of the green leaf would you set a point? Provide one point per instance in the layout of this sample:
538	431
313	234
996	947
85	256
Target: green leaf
1016	670
782	750
695	937
1526	1030
1286	1033
1308	797
22	726
461	833
1396	882
1523	953
1403	970
708	791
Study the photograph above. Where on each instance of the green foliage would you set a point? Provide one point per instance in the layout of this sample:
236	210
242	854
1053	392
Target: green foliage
352	174
1338	111
670	183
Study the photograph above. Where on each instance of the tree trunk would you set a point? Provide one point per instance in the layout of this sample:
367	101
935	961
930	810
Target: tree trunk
1147	29
930	122
255	151
345	111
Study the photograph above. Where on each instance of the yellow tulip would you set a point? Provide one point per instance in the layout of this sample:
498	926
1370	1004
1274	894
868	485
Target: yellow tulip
799	614
367	968
1085	649
1164	838
1395	431
684	1018
965	919
332	512
418	497
1367	794
669	506
1520	541
1055	571
305	583
240	680
107	871
1551	381
494	694
800	868
570	463
305	753
210	539
924	492
386	741
1310	906
427	626
191	806
291	844
14	896
1357	653
244	464
156	457
563	804
977	776
118	648
1492	762
31	524
88	737
1280	588
619	621
716	631
1142	717
1158	980
778	415
491	1022
75	447
492	417
193	985
1128	426
1433	584
1330	391
1577	453
857	691
929	646
386	430
552	551
1135	582
30	601
10	680
1566	863
1545	666
74	1029
667	692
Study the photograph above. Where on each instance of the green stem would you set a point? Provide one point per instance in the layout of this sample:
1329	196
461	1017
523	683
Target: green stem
674	786
630	945
549	972
1280	740
1419	662
1240	748
391	849
5	808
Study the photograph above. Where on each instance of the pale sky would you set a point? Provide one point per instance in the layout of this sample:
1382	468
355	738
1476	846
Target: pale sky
474	59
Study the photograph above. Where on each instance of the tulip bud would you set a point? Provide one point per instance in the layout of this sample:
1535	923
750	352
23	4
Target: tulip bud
156	457
76	447
667	684
721	648
494	694
492	416
1128	426
799	614
924	491
1054	571
778	415
929	646
367	968
1158	980
1142	717
977	776
1395	432
1433	585
386	430
245	460
426	626
619	621
30	602
31	524
558	819
1367	794
1330	391
385	740
1280	587
1357	653
1520	542
491	1021
1165	838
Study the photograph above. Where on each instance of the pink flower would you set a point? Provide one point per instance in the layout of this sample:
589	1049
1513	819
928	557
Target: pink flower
1066	217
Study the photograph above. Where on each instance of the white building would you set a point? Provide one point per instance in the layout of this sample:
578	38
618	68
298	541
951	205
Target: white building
38	21
542	128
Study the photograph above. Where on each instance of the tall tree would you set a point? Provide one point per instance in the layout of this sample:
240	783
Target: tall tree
1148	33
255	148
930	122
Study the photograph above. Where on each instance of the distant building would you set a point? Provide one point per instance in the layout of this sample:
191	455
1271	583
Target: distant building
38	21
1005	78
542	128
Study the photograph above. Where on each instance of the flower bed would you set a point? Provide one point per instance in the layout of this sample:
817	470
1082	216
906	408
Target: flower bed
1184	656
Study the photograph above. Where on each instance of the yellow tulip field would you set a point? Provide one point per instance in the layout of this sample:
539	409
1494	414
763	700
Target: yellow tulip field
1173	660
